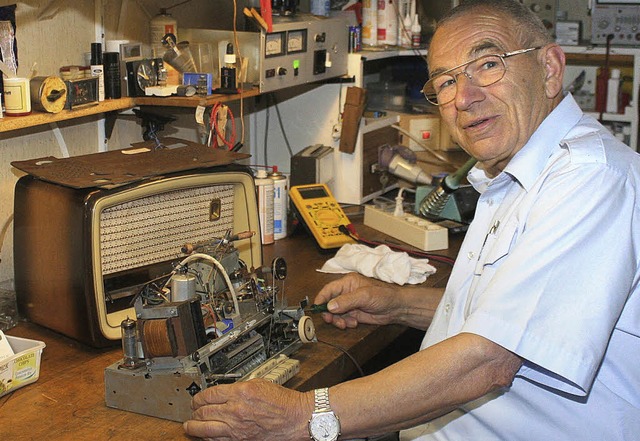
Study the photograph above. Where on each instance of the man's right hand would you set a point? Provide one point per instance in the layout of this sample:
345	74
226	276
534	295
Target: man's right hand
355	299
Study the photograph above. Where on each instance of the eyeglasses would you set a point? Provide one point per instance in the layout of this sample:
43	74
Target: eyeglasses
482	71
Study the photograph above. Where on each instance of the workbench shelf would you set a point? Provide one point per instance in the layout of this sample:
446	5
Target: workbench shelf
13	123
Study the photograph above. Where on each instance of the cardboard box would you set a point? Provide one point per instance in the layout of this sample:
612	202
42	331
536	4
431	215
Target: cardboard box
22	368
427	128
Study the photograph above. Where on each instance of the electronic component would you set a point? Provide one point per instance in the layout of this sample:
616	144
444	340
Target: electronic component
321	213
299	50
617	21
211	320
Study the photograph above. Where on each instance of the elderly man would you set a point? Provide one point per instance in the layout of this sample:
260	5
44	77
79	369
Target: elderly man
537	334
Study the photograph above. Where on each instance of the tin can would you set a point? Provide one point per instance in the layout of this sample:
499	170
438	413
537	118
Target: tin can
280	203
264	188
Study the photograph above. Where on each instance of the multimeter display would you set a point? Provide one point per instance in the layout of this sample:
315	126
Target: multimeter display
313	193
321	213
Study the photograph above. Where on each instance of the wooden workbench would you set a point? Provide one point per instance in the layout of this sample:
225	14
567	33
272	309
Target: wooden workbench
67	401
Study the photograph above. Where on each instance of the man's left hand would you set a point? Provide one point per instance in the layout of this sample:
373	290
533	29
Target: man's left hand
250	410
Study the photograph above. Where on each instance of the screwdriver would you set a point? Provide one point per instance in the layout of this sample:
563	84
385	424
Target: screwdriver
316	309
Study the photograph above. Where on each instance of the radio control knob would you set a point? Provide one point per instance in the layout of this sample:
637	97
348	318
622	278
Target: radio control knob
603	24
282	71
535	7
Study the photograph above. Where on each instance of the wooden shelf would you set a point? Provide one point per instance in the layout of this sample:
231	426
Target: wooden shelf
11	123
194	101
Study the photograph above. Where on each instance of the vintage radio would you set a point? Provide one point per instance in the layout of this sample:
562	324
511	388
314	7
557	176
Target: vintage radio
82	253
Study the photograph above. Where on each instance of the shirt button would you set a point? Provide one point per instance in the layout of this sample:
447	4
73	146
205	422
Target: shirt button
470	255
447	308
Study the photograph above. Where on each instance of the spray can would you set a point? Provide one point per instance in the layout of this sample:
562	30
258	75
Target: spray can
160	25
387	22
369	22
264	188
280	203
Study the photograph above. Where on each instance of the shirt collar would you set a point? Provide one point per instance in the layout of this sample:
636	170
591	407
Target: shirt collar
529	162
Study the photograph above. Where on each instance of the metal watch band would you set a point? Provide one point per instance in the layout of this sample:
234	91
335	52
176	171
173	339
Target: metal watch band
322	400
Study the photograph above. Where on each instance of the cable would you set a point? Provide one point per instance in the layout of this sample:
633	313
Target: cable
351	232
241	72
220	133
218	265
266	128
345	352
284	133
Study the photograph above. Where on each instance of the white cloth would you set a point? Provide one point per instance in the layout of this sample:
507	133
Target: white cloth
380	262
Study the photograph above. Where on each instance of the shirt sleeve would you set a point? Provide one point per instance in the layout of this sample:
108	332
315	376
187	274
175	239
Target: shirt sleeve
554	280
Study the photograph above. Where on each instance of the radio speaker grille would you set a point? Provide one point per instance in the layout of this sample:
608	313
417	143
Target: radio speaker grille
152	229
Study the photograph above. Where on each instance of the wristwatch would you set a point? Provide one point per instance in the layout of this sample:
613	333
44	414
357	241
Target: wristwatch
324	425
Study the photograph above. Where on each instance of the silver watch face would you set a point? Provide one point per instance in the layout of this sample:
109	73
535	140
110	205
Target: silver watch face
324	426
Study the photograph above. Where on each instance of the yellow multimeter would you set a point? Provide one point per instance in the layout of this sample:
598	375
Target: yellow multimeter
321	213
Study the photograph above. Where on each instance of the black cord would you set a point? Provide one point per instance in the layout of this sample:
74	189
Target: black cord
355	362
344	229
284	133
266	129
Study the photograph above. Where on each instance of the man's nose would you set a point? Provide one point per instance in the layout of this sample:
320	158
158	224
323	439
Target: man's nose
466	90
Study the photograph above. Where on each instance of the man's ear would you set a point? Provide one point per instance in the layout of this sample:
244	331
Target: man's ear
554	64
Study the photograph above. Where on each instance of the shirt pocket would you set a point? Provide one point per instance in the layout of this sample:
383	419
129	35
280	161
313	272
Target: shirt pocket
497	245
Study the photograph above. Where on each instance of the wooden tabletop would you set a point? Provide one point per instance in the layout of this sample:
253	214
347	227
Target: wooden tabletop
67	401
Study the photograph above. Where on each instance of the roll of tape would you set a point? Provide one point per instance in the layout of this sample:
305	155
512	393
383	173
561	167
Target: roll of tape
48	94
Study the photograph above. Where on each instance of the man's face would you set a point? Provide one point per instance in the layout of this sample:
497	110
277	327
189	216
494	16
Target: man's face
491	123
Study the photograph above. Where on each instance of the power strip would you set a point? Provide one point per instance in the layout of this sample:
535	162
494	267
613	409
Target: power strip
408	228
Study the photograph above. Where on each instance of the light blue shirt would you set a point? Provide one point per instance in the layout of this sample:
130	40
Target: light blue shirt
549	270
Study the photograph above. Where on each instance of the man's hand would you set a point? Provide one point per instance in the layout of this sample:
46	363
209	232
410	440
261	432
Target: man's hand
250	410
355	299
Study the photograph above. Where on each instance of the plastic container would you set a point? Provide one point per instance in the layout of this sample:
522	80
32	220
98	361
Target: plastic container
24	367
613	91
386	95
